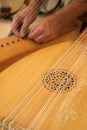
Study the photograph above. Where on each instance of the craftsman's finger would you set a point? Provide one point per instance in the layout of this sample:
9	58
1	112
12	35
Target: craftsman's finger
34	28
41	38
24	29
36	33
15	25
15	29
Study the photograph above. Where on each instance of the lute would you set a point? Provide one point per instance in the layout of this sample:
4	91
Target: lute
46	90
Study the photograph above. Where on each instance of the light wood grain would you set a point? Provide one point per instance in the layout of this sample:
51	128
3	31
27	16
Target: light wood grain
28	104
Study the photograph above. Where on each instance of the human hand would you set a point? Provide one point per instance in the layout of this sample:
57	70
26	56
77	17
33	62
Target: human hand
47	30
23	19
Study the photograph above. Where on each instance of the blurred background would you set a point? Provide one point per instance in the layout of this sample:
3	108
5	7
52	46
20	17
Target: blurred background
9	7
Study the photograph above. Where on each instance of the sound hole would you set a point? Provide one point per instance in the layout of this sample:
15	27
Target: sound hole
59	81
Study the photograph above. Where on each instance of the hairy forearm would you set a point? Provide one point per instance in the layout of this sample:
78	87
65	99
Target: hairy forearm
71	11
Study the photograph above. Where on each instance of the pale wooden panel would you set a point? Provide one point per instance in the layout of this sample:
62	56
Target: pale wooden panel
43	109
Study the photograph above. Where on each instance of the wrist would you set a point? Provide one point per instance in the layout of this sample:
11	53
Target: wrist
73	10
61	19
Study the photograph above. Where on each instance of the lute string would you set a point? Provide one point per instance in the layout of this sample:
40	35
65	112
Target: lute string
74	46
34	104
70	57
80	60
39	124
37	117
74	66
80	48
35	120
